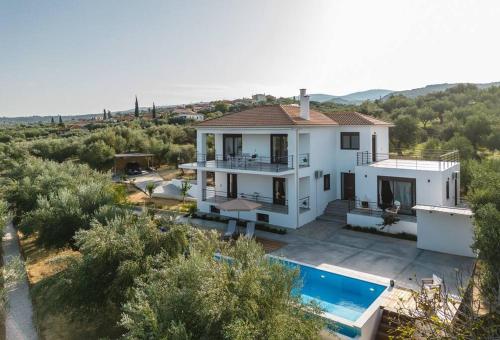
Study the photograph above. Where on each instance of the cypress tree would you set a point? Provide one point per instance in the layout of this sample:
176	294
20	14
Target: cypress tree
136	113
109	114
154	111
104	114
60	120
52	120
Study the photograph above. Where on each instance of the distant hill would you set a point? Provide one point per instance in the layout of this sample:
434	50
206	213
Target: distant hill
422	91
352	98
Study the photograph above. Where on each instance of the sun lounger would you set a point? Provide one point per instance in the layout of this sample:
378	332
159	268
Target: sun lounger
250	230
231	229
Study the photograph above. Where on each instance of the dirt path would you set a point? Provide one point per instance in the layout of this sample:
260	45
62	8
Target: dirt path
19	316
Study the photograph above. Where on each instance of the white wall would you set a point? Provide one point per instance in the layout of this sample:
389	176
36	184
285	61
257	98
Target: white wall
430	185
257	144
445	233
382	133
304	143
346	160
322	144
367	221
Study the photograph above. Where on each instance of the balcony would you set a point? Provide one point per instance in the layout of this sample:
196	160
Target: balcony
246	162
215	196
431	160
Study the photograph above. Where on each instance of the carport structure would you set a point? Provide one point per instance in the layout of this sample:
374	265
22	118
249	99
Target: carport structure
125	160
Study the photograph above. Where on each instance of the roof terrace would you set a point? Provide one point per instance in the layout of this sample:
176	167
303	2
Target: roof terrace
430	160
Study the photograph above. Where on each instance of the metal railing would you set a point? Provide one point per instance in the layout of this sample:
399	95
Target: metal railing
373	208
268	203
247	162
414	160
303	160
304	203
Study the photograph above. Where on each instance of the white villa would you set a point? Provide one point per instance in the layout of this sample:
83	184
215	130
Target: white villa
300	164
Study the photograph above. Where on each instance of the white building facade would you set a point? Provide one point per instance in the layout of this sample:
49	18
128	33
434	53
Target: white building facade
295	161
288	158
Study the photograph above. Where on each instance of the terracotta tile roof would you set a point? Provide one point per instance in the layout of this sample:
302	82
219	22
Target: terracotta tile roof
288	115
257	116
264	116
315	117
355	118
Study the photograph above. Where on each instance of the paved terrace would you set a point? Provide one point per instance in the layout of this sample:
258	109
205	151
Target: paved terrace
322	243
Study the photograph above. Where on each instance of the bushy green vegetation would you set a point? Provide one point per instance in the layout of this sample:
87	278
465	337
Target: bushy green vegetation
199	296
126	265
156	284
463	117
170	285
57	199
484	195
97	147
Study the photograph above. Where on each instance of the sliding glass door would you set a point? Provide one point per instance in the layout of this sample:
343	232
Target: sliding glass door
279	149
392	189
232	145
279	194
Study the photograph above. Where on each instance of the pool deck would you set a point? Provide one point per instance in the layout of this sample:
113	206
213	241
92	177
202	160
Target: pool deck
324	244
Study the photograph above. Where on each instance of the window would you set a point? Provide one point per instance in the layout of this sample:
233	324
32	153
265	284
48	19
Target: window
232	145
279	149
349	140
263	217
214	209
326	182
448	189
397	189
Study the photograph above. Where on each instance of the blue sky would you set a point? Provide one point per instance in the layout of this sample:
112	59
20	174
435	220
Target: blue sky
71	57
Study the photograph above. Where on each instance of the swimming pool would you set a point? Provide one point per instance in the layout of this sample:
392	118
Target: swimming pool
347	302
336	294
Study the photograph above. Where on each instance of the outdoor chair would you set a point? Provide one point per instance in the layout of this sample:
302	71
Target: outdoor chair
394	209
250	230
433	283
231	229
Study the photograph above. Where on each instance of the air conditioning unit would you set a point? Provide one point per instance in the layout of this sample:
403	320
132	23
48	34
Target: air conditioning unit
318	173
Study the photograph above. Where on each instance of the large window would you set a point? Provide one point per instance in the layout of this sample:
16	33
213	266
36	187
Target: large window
279	149
402	190
349	140
232	145
326	182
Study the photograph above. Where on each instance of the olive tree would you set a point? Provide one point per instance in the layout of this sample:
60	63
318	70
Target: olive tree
241	296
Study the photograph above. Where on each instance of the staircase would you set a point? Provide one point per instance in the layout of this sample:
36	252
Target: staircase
388	324
336	211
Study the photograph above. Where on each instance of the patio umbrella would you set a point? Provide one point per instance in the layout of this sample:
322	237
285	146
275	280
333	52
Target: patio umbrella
239	204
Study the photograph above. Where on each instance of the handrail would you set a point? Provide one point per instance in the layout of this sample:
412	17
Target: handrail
444	157
304	202
303	160
257	197
247	162
372	206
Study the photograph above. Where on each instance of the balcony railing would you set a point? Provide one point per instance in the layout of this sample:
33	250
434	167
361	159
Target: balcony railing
361	207
303	160
423	160
304	203
268	203
247	162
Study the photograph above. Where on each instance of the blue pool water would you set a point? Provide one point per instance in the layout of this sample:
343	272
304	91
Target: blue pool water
336	294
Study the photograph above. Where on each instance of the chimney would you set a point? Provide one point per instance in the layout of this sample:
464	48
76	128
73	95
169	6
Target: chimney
304	104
